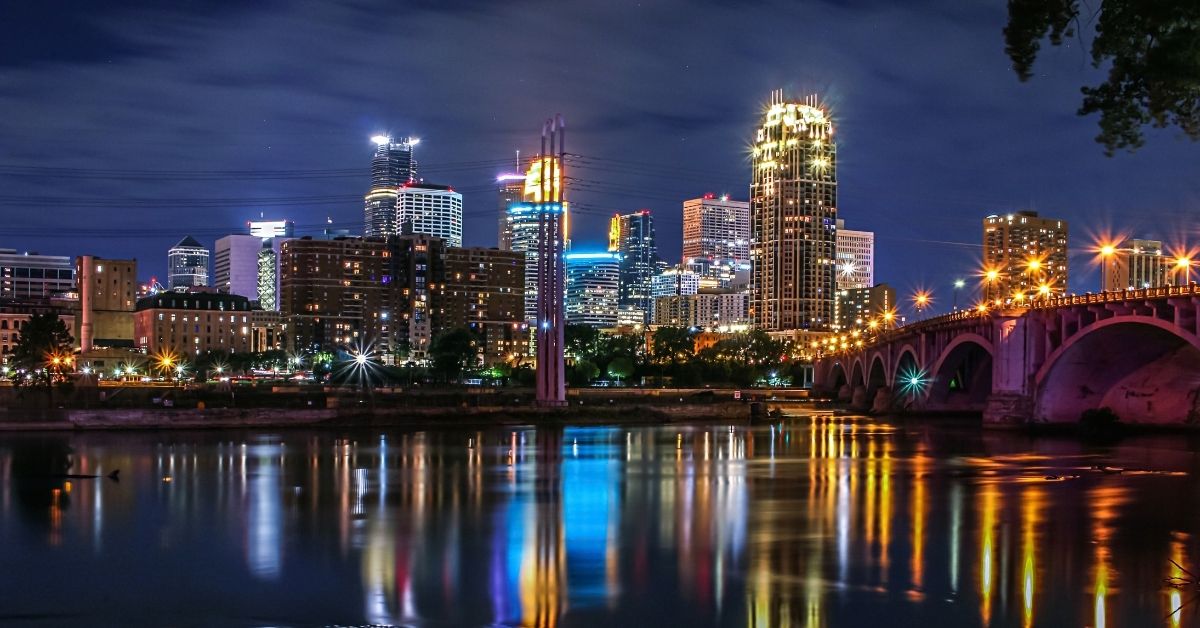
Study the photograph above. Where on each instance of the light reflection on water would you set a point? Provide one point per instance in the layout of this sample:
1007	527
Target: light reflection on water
810	521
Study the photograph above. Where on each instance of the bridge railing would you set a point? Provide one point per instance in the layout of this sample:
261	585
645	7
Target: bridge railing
865	338
1118	296
853	341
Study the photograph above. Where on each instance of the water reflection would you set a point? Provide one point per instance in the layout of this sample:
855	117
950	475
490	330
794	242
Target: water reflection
810	521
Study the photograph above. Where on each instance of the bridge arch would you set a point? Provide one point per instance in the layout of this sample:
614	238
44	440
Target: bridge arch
961	378
837	377
858	374
1154	378
908	367
877	376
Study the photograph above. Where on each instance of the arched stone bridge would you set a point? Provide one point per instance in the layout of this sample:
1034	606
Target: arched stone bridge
1136	352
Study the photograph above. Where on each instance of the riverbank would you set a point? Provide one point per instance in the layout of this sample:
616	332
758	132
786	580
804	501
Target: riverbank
366	416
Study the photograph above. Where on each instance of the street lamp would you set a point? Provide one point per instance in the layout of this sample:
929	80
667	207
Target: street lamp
921	300
1184	263
959	284
990	277
1107	252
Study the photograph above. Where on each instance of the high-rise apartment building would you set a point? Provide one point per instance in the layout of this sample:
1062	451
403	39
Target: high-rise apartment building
710	311
34	276
856	307
593	288
1136	264
716	229
433	210
855	258
187	264
632	237
483	290
394	295
793	214
391	167
333	292
1028	255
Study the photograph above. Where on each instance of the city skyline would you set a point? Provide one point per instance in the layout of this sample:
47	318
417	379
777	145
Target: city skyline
921	185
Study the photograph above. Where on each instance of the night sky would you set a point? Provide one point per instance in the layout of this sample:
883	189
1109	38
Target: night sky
129	125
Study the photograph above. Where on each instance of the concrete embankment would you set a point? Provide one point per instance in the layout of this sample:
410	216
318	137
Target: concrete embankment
368	416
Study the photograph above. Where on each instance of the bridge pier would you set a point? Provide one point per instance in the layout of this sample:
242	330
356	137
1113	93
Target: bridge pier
1007	410
858	399
882	404
1011	401
844	394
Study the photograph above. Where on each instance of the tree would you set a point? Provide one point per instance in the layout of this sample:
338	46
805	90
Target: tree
1152	50
620	367
453	351
582	372
581	341
44	351
672	344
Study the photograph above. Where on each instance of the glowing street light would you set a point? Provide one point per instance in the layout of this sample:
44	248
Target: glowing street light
990	276
921	300
1107	252
959	284
1184	263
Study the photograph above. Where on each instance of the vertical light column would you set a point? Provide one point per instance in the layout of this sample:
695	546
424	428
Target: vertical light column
551	381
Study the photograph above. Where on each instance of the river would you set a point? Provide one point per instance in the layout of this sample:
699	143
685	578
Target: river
811	521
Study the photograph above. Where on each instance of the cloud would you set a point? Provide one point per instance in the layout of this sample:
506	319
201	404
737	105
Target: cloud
934	130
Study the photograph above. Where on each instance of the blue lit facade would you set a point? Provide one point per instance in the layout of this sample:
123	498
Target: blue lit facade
593	288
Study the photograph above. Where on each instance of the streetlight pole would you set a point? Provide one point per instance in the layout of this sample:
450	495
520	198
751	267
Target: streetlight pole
958	285
1185	263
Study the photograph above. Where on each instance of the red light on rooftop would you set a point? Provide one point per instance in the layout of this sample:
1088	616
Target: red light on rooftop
708	196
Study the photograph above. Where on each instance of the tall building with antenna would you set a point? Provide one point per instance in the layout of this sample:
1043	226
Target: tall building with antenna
793	215
510	188
392	166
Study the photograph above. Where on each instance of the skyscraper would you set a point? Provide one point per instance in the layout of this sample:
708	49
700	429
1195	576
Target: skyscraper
235	264
510	189
391	167
855	258
716	229
593	281
632	235
187	264
1028	253
426	209
793	213
524	225
267	288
